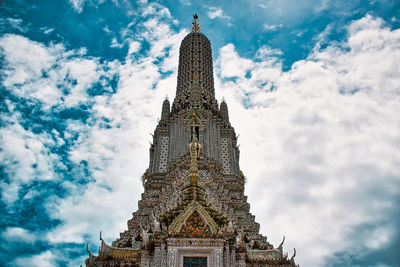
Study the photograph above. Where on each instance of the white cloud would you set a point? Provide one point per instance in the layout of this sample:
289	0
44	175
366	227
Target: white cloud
85	72
48	31
266	53
18	234
379	237
163	42
109	151
133	47
272	27
77	5
129	112
216	12
53	78
230	64
26	156
45	259
156	9
322	154
155	29
35	71
29	57
17	24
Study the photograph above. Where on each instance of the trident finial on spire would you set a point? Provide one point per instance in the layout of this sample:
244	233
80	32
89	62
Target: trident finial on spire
195	25
194	148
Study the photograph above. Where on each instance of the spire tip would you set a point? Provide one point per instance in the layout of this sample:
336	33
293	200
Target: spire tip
195	25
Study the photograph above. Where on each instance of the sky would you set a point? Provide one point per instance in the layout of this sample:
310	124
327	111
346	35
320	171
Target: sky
313	91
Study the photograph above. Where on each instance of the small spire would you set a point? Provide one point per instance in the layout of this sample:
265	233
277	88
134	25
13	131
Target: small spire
165	109
223	107
195	25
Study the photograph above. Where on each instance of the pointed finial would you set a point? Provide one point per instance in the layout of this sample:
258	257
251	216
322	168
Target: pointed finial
294	255
195	25
166	97
281	244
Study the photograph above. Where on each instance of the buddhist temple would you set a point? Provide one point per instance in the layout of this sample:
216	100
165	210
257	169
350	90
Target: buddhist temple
193	212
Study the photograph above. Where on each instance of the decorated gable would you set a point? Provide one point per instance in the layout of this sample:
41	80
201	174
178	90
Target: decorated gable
195	225
194	221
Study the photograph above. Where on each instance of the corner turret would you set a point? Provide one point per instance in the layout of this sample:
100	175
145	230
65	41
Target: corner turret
224	110
165	109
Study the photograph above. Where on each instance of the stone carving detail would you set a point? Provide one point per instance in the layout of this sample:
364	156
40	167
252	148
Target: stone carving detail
195	226
181	219
163	154
225	157
156	223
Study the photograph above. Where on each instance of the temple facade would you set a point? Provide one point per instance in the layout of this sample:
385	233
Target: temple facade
193	212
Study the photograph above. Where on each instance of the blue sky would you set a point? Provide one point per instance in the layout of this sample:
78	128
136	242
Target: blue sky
313	89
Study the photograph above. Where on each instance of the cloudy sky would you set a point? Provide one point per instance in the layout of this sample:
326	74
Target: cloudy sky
313	90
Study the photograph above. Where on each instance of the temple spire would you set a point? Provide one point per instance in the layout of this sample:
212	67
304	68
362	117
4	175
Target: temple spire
224	110
165	110
195	73
195	25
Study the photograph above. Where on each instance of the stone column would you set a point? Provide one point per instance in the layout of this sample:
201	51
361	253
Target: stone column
232	253
145	258
229	257
163	255
157	254
241	259
172	257
219	257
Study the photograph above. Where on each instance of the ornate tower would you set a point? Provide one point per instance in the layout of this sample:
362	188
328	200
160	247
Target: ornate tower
193	210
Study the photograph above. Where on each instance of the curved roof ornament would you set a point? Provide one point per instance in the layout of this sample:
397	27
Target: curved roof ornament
92	257
195	25
87	249
280	247
294	255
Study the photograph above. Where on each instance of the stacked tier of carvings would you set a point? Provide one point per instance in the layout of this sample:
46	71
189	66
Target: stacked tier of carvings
196	214
193	200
